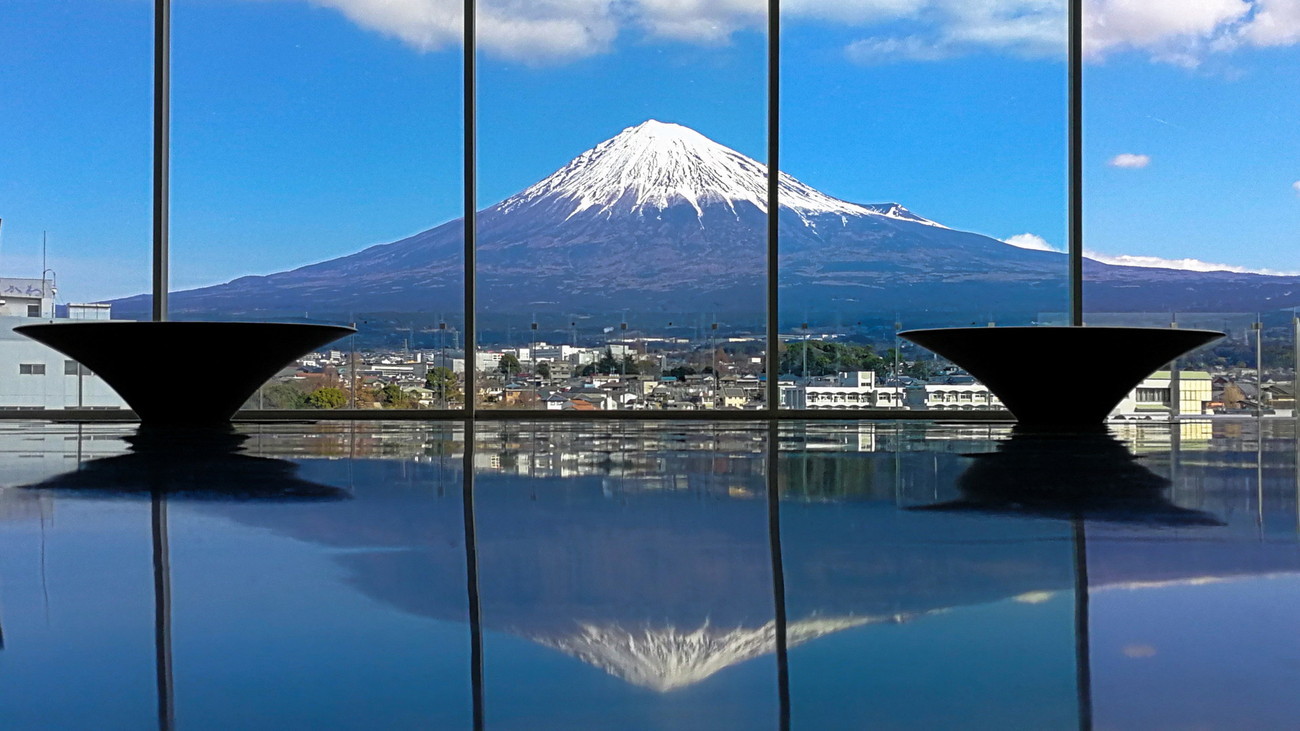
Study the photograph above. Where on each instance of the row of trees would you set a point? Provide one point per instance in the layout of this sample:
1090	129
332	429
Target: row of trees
295	395
607	365
811	357
820	358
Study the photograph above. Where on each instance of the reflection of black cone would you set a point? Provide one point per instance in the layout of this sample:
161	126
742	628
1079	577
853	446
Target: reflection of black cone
1067	474
202	463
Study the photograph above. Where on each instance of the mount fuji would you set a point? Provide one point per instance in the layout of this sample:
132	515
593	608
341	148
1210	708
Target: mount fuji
661	219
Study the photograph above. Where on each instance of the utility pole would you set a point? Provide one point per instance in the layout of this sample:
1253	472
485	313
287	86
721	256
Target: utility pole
1175	380
1259	367
352	372
898	344
1295	375
805	351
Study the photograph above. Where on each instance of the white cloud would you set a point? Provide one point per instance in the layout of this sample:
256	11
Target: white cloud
1276	23
700	21
1130	160
1174	31
856	12
1182	32
1189	264
1296	187
1020	27
423	24
1038	243
536	31
879	51
1030	241
940	29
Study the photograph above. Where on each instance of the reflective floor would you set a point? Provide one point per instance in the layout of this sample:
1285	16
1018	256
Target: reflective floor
640	575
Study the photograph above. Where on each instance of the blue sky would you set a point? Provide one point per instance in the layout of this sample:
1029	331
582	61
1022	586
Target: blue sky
307	130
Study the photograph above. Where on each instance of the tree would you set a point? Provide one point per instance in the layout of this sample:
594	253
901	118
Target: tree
284	396
392	396
608	363
680	372
509	364
826	358
544	369
442	381
327	397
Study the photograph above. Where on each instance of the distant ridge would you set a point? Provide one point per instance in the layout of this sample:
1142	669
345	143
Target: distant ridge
660	218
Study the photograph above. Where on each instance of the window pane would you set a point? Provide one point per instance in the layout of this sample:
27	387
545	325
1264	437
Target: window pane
879	594
624	602
632	275
928	155
1191	188
316	178
337	599
75	183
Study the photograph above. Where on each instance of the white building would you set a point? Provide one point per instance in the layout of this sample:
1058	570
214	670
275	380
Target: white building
847	390
33	376
486	360
1154	397
952	394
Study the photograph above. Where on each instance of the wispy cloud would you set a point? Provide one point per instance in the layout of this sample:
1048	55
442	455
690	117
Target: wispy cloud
1181	32
1171	31
532	31
1296	187
1030	241
1275	23
1038	243
1130	160
1191	265
880	51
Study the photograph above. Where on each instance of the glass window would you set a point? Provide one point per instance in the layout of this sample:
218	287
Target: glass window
75	184
622	226
926	153
71	368
31	369
317	164
1191	184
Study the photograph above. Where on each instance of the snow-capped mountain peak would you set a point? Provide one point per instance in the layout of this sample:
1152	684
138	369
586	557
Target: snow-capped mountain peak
654	165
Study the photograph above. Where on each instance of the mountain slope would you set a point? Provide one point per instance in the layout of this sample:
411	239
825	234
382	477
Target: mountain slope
660	218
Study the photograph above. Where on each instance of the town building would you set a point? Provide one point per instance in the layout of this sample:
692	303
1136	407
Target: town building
34	376
1154	398
951	393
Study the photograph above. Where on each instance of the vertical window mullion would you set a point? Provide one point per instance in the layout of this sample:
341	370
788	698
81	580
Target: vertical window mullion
161	154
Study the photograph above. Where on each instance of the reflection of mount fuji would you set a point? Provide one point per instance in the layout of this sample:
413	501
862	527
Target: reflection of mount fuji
666	588
660	218
665	658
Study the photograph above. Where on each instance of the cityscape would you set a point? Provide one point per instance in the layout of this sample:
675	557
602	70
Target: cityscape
713	368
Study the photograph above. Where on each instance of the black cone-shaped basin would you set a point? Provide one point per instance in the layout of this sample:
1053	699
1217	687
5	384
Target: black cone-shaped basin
1060	376
165	370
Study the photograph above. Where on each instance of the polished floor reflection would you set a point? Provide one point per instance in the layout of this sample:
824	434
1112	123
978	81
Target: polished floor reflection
649	575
